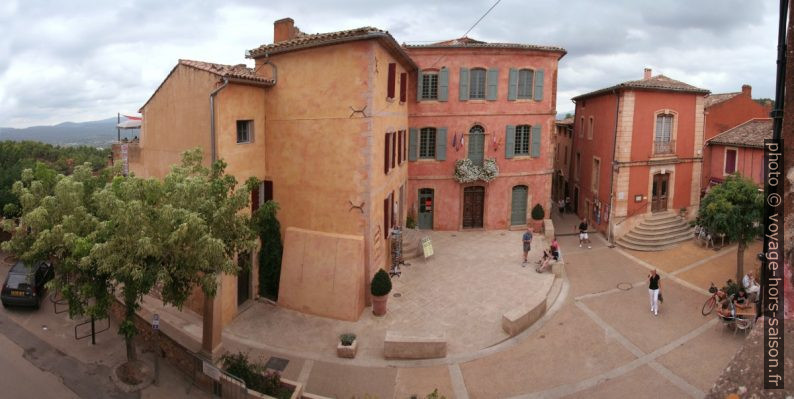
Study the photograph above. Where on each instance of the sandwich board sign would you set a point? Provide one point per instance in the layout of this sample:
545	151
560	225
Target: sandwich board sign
427	247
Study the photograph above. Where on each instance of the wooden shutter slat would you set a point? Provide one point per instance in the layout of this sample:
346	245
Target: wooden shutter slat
464	84
512	85
441	143
538	85
492	84
413	138
419	86
386	154
386	218
393	149
443	84
268	191
392	77
535	130
510	141
403	86
399	147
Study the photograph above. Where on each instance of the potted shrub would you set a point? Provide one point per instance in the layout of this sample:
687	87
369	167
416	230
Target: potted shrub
537	217
347	346
380	289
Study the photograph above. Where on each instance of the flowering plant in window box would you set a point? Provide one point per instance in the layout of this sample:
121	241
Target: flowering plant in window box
466	171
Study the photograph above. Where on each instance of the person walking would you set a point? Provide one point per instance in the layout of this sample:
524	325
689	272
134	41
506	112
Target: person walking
583	236
527	240
653	291
561	205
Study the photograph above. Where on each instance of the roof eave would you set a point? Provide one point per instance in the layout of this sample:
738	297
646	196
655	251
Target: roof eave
627	87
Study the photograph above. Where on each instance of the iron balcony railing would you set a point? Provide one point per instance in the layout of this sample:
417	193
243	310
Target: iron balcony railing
662	147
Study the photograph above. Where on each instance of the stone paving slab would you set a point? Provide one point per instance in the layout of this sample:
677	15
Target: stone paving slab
600	269
421	381
339	381
723	268
642	382
676	258
570	347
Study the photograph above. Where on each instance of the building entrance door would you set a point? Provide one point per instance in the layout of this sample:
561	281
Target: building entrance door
659	192
473	201
426	204
518	211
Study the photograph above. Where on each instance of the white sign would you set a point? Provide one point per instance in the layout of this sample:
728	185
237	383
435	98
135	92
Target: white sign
621	195
211	371
156	322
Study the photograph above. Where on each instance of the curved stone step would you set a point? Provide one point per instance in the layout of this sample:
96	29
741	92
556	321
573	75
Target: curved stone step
654	233
661	222
658	246
661	238
655	228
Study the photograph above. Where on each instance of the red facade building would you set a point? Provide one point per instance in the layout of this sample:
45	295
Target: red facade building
738	150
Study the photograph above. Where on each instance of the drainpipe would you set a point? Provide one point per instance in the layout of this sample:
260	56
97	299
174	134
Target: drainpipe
213	150
615	168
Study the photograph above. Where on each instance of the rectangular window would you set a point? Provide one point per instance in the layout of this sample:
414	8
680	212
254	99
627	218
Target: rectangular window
427	143
664	127
386	152
244	129
596	173
730	160
477	84
403	86
590	128
522	140
392	77
525	83
429	86
386	217
399	147
576	167
581	126
393	149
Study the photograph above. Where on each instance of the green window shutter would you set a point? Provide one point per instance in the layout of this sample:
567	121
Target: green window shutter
492	82
443	84
510	142
512	85
535	151
539	85
419	86
464	84
412	143
441	144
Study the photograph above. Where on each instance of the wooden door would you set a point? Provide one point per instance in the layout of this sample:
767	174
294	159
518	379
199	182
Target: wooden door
518	210
659	192
426	205
473	205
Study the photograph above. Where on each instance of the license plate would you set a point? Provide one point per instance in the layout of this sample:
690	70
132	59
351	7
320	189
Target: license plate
17	293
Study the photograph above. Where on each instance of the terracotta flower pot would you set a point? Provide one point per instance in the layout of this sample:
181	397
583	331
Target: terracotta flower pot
379	305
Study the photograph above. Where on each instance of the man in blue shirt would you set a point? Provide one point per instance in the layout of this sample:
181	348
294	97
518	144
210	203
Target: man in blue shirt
527	239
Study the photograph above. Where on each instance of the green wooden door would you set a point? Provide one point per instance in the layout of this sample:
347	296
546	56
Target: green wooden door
476	144
518	211
426	205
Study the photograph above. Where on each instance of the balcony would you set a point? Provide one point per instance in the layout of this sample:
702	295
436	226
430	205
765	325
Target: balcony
662	147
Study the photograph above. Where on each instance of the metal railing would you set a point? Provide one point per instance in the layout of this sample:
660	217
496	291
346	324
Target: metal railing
662	147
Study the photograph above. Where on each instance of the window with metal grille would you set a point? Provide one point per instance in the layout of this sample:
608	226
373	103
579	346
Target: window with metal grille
477	83
525	77
429	86
244	129
427	142
522	140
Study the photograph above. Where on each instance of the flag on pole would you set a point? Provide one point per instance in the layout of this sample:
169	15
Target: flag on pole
461	140
455	141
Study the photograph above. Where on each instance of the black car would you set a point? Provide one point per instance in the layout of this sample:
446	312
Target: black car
24	286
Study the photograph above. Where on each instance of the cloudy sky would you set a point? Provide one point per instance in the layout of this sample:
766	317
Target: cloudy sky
76	60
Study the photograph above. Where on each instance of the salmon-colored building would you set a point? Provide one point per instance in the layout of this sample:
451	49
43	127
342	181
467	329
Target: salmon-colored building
739	150
490	103
637	153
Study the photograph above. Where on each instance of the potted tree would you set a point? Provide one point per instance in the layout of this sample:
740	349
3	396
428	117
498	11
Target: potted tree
347	346
537	217
380	289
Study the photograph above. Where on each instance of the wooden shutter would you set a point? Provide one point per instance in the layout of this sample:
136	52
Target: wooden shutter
268	191
419	86
393	149
403	86
386	218
254	200
443	84
510	141
492	84
392	77
535	151
464	84
413	141
512	85
539	85
386	154
441	143
399	147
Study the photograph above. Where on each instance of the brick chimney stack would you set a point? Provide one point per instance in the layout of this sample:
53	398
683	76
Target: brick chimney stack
747	91
283	30
647	74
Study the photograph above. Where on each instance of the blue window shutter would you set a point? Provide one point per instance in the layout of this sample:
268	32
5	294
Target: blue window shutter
512	85
535	151
492	82
419	86
464	84
510	141
441	143
443	84
413	136
539	85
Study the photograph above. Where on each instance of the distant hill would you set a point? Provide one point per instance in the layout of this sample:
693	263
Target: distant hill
93	133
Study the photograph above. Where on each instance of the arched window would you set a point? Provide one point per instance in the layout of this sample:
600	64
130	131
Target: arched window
476	144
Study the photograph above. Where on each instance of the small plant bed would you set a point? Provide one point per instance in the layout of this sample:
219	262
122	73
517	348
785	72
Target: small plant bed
255	376
347	346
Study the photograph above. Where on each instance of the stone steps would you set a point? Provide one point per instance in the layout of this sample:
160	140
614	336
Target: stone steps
657	232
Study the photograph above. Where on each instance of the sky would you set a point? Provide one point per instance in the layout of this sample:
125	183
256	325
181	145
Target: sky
74	60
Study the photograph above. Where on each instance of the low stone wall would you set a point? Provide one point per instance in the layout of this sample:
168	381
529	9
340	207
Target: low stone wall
399	345
522	317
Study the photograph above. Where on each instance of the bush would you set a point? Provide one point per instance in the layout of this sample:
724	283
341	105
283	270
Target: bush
410	221
381	283
254	375
347	339
537	212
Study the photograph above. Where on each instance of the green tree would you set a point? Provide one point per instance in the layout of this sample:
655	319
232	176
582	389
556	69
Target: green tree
128	235
734	208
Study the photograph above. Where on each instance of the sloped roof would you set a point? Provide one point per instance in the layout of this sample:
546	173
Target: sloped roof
658	82
305	41
467	42
566	121
714	99
749	134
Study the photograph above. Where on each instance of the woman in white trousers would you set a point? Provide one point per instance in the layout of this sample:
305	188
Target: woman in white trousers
653	291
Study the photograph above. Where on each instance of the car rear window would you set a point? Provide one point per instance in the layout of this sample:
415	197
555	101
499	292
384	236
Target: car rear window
16	281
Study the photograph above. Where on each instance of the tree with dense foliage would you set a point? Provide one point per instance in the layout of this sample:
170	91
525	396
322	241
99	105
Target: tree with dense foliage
128	235
734	208
269	230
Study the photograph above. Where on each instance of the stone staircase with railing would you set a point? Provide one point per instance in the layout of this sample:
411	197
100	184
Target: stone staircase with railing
657	232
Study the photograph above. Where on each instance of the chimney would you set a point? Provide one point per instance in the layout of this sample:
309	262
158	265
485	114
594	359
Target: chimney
747	91
647	74
283	30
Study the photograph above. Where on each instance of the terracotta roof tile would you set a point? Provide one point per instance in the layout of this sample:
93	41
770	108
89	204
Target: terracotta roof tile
566	121
658	82
466	42
749	134
240	71
714	99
